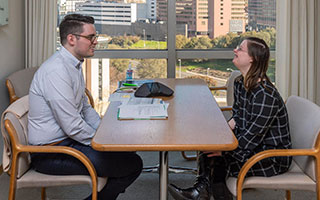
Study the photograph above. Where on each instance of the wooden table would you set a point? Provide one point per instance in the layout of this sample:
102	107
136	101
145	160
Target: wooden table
195	123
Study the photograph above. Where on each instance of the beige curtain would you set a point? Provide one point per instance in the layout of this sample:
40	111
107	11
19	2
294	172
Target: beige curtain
298	67
40	31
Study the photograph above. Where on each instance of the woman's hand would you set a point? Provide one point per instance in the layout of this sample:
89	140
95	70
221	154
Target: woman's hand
232	123
213	153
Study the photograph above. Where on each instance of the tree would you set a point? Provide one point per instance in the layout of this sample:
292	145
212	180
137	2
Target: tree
205	42
230	40
199	43
151	68
181	41
125	41
118	69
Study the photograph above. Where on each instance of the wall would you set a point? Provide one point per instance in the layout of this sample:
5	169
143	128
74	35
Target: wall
317	53
12	49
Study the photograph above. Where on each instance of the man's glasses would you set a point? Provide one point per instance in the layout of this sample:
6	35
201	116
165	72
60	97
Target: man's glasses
91	38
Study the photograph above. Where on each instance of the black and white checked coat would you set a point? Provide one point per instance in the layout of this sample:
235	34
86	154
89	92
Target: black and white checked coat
261	123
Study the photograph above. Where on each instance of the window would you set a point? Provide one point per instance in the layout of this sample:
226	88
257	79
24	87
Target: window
139	32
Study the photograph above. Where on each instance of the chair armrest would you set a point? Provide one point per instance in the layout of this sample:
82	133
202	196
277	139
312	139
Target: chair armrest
218	88
12	94
88	93
226	108
19	148
266	154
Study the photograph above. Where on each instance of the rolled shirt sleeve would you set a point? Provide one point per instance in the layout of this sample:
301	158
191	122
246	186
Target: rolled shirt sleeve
90	115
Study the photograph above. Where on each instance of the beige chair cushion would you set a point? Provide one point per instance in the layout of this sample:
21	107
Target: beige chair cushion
294	179
17	113
21	80
44	180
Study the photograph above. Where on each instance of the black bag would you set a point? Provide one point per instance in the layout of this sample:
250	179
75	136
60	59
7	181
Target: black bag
153	89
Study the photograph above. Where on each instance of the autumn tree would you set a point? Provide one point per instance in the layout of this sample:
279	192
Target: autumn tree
151	68
181	41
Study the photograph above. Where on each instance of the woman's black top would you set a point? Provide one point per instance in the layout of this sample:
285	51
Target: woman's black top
261	123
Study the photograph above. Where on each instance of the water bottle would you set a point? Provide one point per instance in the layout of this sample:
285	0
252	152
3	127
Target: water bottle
129	74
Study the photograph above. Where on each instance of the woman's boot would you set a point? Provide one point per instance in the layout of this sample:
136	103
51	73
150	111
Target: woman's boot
201	189
218	180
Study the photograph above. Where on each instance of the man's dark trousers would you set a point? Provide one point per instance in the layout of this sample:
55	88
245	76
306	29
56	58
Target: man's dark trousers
121	168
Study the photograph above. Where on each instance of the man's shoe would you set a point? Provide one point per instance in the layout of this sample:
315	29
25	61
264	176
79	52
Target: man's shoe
199	192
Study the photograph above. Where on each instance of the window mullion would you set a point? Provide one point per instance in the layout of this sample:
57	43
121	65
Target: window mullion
171	42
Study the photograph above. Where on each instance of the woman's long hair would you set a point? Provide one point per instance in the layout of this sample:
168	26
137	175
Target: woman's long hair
259	51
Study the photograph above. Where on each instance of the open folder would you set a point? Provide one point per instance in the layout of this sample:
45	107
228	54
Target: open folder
143	108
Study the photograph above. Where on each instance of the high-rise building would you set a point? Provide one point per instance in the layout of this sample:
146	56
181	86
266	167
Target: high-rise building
261	14
226	16
152	9
194	13
71	5
207	17
109	12
147	11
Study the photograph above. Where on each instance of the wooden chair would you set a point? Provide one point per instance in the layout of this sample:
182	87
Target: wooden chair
226	110
14	130
18	84
304	172
229	90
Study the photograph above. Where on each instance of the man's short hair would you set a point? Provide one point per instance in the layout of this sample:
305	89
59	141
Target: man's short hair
72	24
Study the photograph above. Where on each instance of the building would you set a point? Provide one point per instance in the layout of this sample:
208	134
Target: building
207	17
147	11
193	13
226	16
152	9
109	12
261	14
71	5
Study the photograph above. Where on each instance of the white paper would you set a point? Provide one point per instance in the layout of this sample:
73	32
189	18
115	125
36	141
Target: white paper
142	101
123	97
143	111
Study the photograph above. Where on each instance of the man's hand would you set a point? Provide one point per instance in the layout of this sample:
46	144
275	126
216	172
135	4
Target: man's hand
232	123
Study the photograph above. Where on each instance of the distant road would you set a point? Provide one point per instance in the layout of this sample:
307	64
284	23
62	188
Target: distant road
220	81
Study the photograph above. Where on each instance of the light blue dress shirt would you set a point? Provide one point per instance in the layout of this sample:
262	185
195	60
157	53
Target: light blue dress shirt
59	107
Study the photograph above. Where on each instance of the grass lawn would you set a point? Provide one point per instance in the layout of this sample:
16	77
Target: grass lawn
221	65
149	45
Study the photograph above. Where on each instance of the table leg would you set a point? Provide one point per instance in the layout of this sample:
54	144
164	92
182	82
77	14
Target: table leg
163	175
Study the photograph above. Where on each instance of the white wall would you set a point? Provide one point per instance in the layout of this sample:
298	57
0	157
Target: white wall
12	51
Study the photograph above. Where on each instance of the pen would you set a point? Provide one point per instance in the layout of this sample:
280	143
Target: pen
129	84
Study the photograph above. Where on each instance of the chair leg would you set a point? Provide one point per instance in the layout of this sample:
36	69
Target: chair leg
13	181
184	155
43	193
288	194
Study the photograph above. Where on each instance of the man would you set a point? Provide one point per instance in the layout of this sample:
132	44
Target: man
60	114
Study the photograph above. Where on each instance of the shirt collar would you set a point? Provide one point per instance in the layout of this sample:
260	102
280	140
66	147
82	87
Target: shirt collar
70	58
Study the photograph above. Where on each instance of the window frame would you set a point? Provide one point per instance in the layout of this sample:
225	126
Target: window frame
171	54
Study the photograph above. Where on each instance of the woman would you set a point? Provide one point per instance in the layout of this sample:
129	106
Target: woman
259	122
